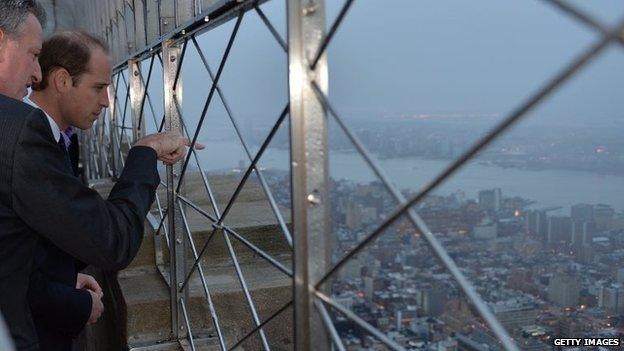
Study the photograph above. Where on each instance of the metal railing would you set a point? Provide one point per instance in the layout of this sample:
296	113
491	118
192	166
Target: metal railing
161	33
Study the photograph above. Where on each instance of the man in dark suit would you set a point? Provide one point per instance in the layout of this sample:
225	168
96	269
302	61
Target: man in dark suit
76	71
40	198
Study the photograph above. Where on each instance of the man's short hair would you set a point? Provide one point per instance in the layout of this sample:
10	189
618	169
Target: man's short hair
70	50
13	14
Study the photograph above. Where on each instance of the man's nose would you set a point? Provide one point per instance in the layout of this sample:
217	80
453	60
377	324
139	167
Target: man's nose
36	76
104	98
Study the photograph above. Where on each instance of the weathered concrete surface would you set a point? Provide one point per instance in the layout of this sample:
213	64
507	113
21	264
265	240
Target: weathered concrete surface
61	15
142	312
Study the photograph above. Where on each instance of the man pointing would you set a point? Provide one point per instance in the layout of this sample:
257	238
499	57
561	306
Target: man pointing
40	198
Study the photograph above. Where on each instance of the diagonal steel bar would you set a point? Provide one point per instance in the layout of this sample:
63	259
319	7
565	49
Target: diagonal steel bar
187	323
271	28
331	329
330	34
149	102
117	84
118	135
504	125
266	321
162	124
197	208
211	196
582	17
263	183
240	238
160	212
211	94
177	76
160	225
112	115
359	321
578	63
123	118
121	158
159	256
123	79
243	283
260	252
202	277
241	184
145	94
105	144
433	242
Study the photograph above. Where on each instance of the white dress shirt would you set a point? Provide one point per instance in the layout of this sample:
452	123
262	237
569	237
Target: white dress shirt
56	131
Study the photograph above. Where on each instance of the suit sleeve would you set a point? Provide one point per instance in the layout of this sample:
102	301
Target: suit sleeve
56	205
58	306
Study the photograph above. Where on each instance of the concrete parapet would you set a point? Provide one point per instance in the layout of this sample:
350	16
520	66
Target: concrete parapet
141	300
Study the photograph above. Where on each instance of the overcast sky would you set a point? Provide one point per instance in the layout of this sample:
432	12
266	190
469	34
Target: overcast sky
394	57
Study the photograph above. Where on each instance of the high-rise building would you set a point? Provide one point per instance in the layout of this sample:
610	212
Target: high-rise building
564	290
619	275
431	299
603	215
559	230
490	199
613	299
512	314
582	213
369	288
537	223
582	233
487	229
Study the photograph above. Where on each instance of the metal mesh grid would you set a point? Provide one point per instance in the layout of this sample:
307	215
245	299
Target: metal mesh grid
106	146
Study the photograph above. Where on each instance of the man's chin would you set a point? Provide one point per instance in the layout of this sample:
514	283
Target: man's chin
86	126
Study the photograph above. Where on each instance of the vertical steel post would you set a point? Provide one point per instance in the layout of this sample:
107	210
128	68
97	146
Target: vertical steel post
306	29
137	92
177	244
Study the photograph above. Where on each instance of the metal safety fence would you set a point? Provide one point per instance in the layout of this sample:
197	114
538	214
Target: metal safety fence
155	36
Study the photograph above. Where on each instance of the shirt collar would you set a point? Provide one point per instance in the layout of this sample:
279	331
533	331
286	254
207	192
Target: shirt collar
56	131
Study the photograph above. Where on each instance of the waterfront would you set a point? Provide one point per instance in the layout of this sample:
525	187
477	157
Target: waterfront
548	188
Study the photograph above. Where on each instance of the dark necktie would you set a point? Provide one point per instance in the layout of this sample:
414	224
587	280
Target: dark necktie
61	144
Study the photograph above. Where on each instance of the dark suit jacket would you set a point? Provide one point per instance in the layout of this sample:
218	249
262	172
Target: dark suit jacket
60	311
41	198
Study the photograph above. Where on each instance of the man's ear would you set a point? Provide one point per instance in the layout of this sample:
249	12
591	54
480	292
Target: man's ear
3	43
61	79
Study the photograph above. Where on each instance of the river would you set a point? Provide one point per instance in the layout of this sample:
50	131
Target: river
546	187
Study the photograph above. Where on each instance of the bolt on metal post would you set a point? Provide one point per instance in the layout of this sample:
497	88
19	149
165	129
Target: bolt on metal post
177	244
310	211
